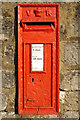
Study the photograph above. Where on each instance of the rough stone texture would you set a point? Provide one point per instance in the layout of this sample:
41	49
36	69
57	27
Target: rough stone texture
70	114
0	54
10	94
69	20
1	37
35	116
70	80
71	53
8	44
1	17
9	54
8	26
69	61
8	20
0	81
8	78
69	101
3	102
0	48
53	116
9	115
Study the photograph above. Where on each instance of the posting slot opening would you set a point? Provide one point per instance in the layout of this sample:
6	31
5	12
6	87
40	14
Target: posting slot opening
32	26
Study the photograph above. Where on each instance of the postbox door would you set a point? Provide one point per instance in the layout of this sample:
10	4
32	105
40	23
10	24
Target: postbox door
38	59
37	75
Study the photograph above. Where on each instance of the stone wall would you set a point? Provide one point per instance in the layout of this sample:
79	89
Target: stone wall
69	61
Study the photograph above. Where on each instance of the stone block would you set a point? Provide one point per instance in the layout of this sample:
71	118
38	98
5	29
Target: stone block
8	79
74	27
70	80
0	80
1	37
7	26
53	116
6	38
71	114
9	53
3	101
8	20
0	49
2	115
69	23
9	115
7	9
10	105
70	53
69	101
10	94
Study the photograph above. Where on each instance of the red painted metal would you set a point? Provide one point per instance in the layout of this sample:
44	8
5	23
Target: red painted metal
38	91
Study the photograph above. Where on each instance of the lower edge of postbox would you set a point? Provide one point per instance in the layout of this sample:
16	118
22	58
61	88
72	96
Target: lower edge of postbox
38	111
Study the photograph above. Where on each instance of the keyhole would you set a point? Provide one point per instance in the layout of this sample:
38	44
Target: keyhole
32	79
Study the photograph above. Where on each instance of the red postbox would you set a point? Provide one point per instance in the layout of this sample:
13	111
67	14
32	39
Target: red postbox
38	58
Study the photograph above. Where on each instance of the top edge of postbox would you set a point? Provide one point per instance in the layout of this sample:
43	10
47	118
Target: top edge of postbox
38	12
39	5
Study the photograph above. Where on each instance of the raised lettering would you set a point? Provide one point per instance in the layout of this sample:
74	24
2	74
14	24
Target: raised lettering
28	12
48	13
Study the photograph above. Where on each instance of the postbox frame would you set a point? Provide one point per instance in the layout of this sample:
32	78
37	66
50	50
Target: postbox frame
36	110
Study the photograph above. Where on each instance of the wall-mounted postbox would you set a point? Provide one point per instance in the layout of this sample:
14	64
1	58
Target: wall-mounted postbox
38	58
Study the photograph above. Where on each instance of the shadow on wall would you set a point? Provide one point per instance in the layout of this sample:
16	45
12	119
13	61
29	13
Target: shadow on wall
16	60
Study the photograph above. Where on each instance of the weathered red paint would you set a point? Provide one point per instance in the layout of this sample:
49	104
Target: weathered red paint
38	23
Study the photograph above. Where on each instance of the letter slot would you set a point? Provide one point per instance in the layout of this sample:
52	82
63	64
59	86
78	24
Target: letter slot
37	26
